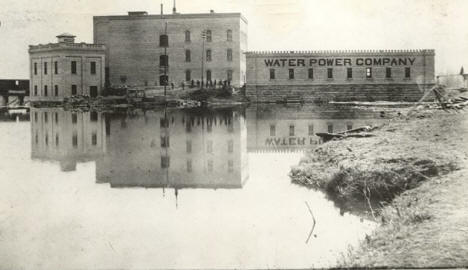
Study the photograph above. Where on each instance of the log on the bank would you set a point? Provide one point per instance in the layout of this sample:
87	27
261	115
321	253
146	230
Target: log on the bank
330	136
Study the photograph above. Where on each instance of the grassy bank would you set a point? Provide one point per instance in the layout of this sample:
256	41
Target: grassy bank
411	178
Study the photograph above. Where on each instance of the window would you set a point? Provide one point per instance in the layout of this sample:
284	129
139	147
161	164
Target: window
56	139
56	118
388	73
164	123
73	89
291	73
74	118
45	67
93	116
163	60
229	35
165	142
311	73
163	41
208	75
187	36
311	129
208	36
75	140
229	55
209	147
94	138
35	117
73	67
189	165
45	90
46	117
349	126
188	56
272	74
208	55
188	75
56	90
349	72
35	68
93	68
407	72
35	90
229	75
330	128
368	73
230	165
47	139
56	67
188	147
272	130
210	165
291	130
230	146
330	73
165	162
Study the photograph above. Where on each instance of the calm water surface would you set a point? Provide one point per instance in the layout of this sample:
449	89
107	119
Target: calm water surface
168	189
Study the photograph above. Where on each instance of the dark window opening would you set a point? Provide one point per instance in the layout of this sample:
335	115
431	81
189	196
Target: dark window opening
163	60
187	36
388	72
229	35
272	130
94	139
188	75
188	56
311	73
208	36
74	118
349	72
208	55
35	68
229	55
163	41
45	67
74	89
272	74
45	90
73	67
330	73
291	73
165	162
291	130
407	72
93	116
56	67
56	90
93	68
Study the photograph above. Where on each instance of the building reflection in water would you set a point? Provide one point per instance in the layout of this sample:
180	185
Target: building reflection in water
66	136
280	128
175	149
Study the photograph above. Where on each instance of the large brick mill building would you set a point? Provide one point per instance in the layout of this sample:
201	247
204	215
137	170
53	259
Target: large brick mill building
137	43
66	68
392	75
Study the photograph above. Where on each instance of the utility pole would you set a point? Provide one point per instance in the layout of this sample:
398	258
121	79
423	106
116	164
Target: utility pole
167	60
203	57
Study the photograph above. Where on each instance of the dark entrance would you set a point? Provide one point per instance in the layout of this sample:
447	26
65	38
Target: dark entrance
93	91
163	79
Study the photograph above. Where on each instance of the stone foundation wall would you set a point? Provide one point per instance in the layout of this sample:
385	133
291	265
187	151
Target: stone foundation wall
325	93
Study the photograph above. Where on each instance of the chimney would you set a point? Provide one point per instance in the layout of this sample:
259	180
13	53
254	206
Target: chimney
174	10
212	11
162	9
66	38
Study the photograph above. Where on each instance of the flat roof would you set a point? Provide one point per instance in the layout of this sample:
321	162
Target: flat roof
142	15
339	52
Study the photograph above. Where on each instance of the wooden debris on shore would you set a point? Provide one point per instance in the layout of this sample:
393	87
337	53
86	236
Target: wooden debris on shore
360	132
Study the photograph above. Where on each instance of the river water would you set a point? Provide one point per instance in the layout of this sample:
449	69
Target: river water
169	188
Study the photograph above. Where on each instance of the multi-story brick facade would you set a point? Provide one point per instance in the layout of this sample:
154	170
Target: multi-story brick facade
339	75
134	49
66	68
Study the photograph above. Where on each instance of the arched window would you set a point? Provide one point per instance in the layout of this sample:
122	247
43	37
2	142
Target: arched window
188	75
229	35
188	56
187	36
208	36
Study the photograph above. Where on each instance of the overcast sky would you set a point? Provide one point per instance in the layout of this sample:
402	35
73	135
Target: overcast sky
273	25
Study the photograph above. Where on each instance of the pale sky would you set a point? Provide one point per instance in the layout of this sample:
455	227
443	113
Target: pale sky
273	25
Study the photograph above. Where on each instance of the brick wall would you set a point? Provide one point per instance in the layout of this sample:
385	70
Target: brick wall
133	47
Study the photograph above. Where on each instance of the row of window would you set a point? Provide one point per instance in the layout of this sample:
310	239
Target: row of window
166	161
188	75
74	139
93	117
349	73
208	35
92	68
93	90
292	129
208	55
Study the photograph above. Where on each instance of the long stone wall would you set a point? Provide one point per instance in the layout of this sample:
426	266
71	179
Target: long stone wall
325	93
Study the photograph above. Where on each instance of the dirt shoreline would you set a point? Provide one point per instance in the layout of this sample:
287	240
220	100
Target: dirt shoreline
421	162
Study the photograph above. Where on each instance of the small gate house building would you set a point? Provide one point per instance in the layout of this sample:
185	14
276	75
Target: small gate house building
389	75
66	68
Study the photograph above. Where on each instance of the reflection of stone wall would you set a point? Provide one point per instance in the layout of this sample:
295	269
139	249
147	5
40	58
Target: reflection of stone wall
65	136
281	128
179	150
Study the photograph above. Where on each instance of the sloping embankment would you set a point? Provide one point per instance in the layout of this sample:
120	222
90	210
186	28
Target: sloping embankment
411	169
